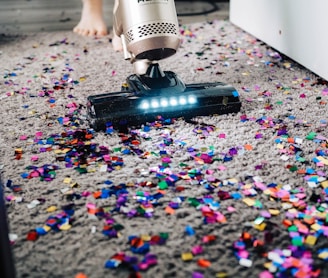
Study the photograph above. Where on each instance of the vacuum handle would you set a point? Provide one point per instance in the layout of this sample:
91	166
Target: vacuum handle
6	260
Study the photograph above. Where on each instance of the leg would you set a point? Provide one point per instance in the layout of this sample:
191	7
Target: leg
116	41
92	22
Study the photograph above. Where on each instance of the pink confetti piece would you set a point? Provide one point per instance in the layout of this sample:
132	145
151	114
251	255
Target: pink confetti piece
266	274
34	158
222	168
231	209
38	134
196	250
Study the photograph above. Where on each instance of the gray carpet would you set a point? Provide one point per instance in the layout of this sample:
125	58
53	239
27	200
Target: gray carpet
240	195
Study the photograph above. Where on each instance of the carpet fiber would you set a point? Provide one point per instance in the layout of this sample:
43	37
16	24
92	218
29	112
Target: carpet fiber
242	195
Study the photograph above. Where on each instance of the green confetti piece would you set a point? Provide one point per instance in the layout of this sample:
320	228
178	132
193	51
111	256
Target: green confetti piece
164	235
293	168
162	185
81	170
258	204
279	102
194	202
140	210
301	159
297	241
292	228
311	135
321	208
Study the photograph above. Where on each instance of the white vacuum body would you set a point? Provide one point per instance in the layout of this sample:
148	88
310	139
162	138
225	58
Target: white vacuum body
149	28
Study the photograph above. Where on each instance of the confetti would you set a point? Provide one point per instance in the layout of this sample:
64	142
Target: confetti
170	170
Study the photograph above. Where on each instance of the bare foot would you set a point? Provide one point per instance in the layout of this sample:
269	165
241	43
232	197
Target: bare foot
116	40
92	22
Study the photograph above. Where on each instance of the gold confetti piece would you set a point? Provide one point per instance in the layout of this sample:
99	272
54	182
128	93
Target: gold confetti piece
65	227
324	184
145	237
32	112
51	209
46	228
267	192
311	240
274	211
67	180
248	201
280	146
293	211
74	185
232	181
248	186
323	160
315	227
187	256
323	255
267	265
260	227
221	275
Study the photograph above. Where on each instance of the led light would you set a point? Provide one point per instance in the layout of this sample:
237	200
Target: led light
182	101
144	105
164	102
173	101
192	99
154	103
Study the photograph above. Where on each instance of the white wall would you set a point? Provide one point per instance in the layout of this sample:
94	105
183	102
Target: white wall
296	28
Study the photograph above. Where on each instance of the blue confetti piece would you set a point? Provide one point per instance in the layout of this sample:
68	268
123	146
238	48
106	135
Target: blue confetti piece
236	195
235	94
60	120
41	231
109	130
189	230
146	128
24	175
112	264
126	151
310	171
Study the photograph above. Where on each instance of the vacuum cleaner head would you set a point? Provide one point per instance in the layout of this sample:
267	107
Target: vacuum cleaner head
157	93
149	31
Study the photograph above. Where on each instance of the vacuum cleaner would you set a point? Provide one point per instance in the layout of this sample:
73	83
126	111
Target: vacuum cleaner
149	31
